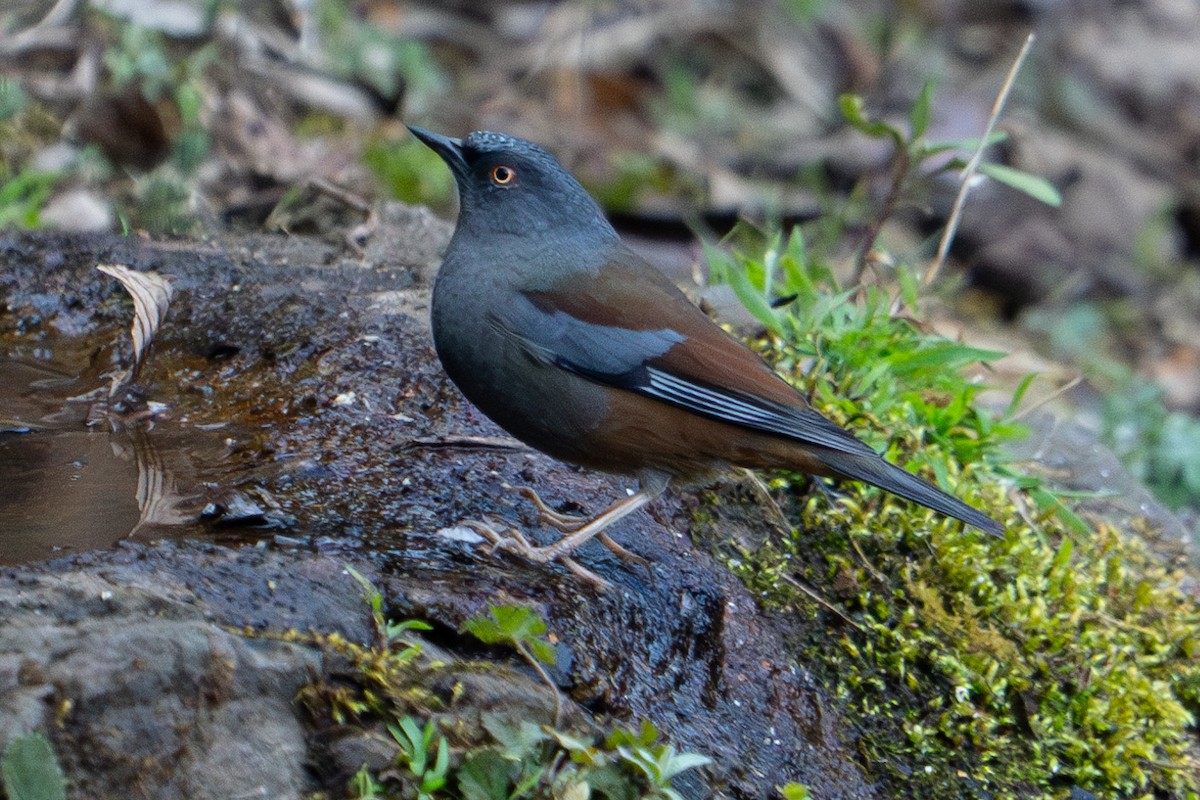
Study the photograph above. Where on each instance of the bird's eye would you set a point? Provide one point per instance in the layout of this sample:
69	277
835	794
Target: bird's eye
502	175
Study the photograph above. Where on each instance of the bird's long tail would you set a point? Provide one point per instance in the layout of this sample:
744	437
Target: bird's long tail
878	472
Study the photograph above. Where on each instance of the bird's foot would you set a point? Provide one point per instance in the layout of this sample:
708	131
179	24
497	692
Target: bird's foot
625	555
513	541
502	538
569	523
566	523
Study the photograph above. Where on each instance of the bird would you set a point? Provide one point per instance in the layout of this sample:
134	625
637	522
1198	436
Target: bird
555	329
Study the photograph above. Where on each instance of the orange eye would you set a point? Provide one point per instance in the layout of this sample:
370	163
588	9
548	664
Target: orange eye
502	175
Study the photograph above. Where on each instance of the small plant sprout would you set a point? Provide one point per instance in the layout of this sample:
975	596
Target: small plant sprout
417	751
389	634
363	785
795	791
522	629
910	151
658	763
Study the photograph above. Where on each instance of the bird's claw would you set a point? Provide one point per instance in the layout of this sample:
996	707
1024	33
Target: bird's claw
625	555
569	523
564	523
513	541
506	538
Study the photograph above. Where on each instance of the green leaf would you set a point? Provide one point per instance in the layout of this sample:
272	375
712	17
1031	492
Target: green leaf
794	791
1048	501
517	739
572	743
967	145
755	301
530	776
485	775
363	785
943	355
543	651
31	771
720	263
647	734
442	762
1019	394
395	629
674	763
507	624
910	286
517	626
919	114
1033	185
1063	556
612	782
854	111
770	264
520	622
369	591
414	743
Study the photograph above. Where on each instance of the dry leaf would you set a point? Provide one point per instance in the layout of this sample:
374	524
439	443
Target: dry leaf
151	293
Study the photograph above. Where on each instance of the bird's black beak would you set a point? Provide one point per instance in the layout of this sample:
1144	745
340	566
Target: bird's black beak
449	149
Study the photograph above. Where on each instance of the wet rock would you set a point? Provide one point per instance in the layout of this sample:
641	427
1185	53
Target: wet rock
322	383
140	682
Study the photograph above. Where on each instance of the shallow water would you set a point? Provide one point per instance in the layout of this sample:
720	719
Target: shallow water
72	478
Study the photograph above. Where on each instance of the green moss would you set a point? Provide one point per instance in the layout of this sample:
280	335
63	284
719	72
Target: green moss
1063	655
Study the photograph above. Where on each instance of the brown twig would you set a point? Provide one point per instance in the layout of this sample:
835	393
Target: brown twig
812	593
466	443
875	227
968	173
1059	392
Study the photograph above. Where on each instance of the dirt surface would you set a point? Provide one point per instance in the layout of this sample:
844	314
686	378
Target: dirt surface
314	369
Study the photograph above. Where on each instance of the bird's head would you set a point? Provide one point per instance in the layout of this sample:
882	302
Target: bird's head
509	185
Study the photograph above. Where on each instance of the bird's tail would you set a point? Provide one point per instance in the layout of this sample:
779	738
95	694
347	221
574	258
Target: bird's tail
878	472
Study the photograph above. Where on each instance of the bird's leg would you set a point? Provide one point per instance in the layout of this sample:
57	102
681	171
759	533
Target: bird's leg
651	485
573	541
569	523
513	539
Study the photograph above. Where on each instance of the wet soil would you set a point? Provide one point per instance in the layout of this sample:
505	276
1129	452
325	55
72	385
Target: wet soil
306	425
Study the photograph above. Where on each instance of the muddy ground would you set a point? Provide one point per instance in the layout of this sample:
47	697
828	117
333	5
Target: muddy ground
308	426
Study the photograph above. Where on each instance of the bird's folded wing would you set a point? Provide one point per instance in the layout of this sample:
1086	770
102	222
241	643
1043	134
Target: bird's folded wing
635	331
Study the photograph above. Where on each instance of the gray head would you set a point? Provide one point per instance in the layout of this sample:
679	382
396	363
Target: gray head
509	185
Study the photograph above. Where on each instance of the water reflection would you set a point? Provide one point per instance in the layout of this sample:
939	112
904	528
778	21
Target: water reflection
63	491
67	486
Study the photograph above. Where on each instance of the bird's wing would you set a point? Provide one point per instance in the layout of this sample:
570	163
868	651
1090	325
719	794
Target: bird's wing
629	327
